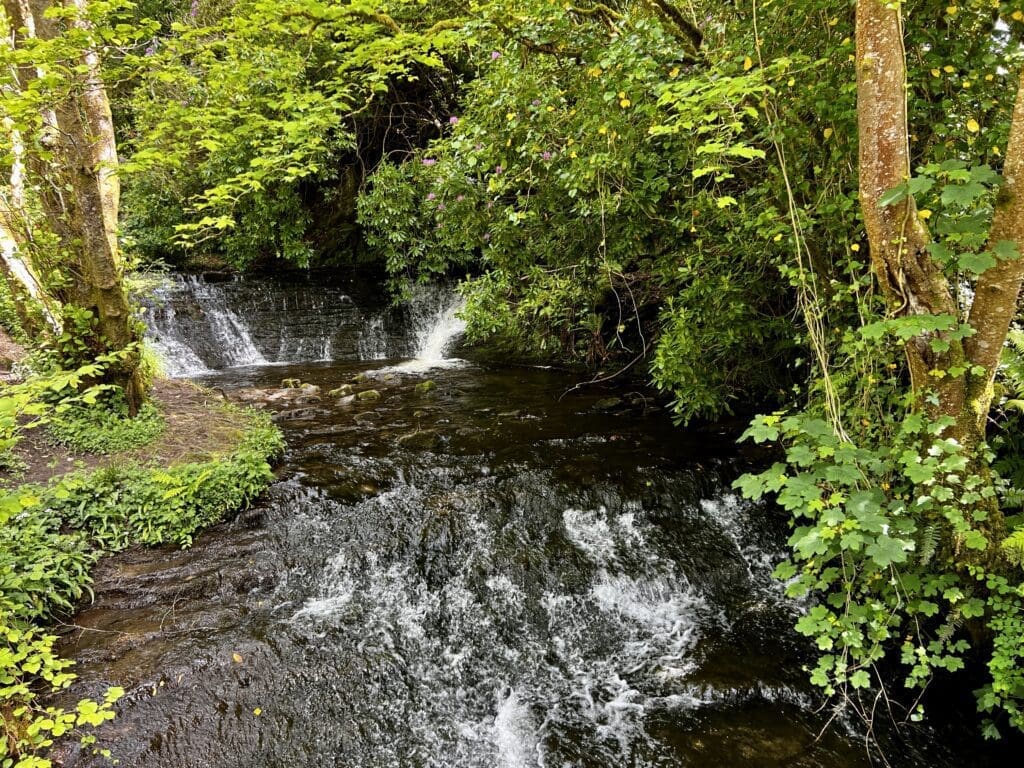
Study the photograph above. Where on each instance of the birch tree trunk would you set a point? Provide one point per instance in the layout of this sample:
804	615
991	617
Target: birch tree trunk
80	193
31	301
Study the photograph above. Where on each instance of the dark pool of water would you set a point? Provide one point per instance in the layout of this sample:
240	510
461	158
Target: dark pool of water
482	576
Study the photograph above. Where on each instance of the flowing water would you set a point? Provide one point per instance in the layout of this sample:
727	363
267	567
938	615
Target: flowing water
484	575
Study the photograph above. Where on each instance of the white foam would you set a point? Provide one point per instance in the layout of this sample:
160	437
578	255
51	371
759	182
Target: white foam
436	324
515	734
600	536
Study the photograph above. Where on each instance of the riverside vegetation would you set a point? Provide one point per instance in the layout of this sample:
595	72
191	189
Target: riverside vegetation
52	533
809	209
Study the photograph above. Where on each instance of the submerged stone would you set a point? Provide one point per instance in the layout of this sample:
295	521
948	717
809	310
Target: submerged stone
342	391
368	396
291	383
423	439
297	414
607	403
426	387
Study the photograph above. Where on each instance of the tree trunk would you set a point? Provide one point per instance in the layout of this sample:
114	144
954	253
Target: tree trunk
79	193
995	296
911	281
100	126
909	277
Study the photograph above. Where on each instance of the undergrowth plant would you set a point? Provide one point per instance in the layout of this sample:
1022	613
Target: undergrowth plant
50	537
107	428
122	505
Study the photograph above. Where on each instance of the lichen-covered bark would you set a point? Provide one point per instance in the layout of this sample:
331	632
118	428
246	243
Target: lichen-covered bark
79	195
995	299
908	276
910	279
99	124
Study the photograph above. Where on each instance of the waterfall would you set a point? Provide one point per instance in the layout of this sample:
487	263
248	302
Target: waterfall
201	324
230	332
434	317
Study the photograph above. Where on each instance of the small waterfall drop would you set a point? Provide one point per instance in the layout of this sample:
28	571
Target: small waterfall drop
373	340
436	326
230	332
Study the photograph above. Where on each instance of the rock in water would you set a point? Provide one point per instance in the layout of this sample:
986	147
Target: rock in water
368	396
424	439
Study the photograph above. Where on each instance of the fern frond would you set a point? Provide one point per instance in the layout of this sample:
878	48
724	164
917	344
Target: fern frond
928	545
950	626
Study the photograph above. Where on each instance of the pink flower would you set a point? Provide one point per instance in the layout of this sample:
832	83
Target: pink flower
495	55
545	156
499	170
460	198
453	120
428	161
431	196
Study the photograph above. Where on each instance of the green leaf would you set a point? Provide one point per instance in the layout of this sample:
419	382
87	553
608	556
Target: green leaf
1006	250
962	195
886	550
860	679
976	262
893	196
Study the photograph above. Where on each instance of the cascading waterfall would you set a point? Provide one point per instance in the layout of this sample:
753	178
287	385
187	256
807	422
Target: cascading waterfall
434	318
486	576
199	325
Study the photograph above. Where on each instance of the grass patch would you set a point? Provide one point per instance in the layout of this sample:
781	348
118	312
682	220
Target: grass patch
120	505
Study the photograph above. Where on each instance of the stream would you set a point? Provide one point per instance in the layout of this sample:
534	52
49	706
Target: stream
486	575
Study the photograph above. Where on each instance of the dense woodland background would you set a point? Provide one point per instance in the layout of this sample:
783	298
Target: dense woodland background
812	209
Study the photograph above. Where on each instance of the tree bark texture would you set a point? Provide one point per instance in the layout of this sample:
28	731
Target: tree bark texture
79	194
909	277
995	296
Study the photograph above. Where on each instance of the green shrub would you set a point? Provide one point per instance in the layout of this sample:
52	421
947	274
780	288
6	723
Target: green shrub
123	505
42	570
36	401
29	667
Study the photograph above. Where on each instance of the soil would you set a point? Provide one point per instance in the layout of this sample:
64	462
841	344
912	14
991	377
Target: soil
198	427
10	353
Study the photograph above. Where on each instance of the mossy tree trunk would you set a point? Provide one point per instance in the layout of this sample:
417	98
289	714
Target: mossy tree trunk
79	192
911	280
